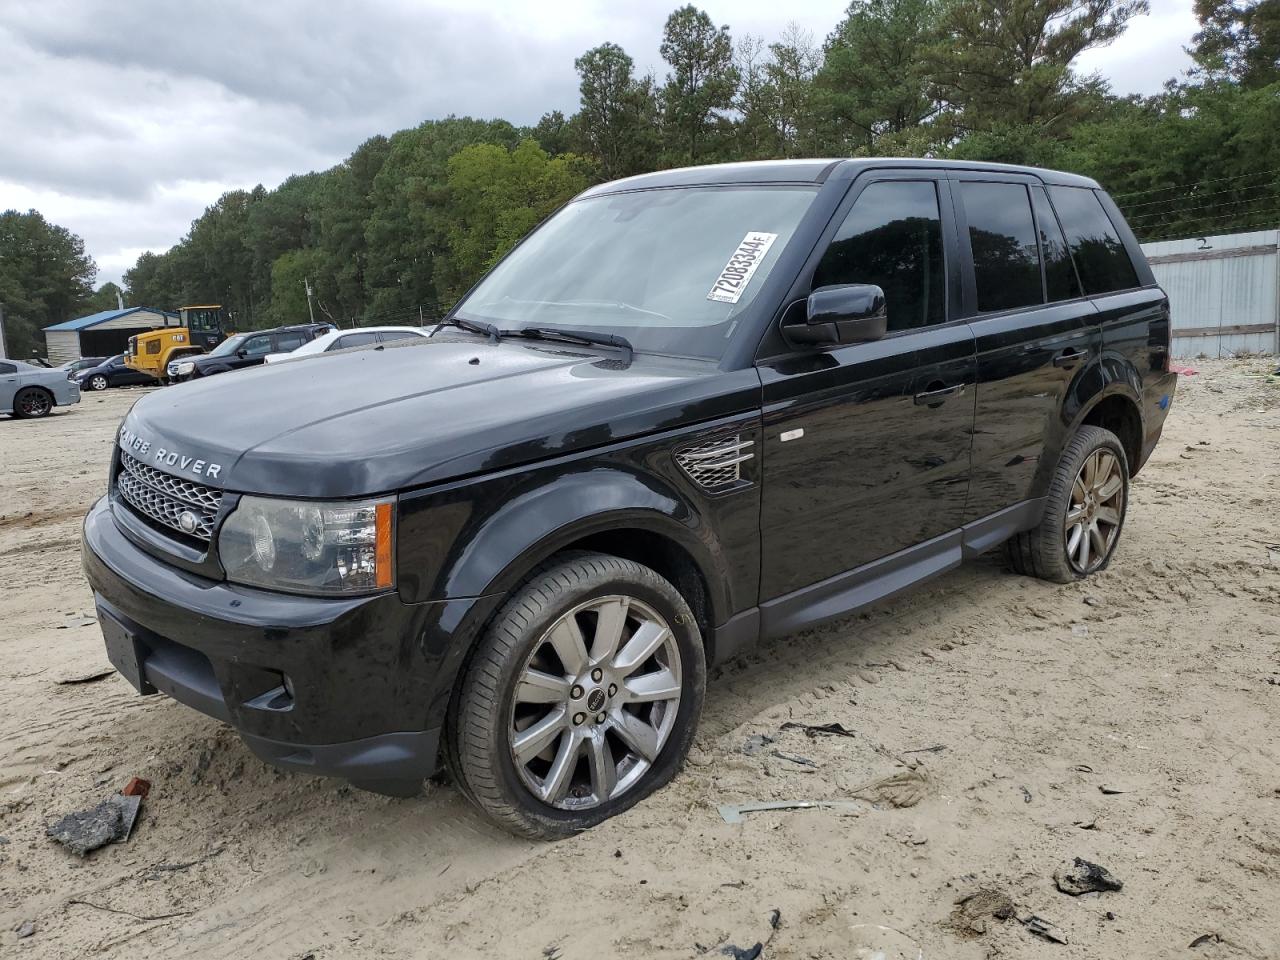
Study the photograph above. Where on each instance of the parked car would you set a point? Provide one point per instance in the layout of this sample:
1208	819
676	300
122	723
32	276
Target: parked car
348	339
72	367
669	424
244	350
111	372
29	392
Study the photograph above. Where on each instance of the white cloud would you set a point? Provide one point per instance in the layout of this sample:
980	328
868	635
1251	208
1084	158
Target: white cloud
123	121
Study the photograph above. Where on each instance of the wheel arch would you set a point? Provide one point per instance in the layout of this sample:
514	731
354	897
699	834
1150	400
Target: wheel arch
1117	410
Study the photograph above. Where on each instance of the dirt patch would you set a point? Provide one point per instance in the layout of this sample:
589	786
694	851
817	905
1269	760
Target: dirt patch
1161	676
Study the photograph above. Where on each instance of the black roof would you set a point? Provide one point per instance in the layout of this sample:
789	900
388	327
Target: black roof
817	171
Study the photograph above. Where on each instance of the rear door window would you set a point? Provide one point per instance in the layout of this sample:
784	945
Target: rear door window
1060	278
892	238
391	336
1100	257
257	346
354	340
1002	236
286	342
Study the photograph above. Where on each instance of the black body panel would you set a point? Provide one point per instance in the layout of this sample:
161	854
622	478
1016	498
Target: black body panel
902	456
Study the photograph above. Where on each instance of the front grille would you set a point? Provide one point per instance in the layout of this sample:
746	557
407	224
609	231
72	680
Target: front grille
164	498
716	464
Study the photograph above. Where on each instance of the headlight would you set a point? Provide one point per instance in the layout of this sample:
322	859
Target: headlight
180	368
309	547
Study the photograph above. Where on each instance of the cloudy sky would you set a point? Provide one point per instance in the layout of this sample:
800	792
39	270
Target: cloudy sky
122	121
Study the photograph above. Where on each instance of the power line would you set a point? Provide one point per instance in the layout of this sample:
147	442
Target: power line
1187	211
1241	176
1194	197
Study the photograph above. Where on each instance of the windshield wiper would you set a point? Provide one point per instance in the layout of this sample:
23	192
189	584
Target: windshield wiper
473	326
575	336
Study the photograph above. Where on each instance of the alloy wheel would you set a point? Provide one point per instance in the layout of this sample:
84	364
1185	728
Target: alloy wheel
35	403
1094	512
595	703
98	383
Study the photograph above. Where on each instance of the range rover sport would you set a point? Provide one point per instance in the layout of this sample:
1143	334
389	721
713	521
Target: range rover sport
692	410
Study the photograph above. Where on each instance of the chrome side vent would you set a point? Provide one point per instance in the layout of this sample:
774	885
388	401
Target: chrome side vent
716	465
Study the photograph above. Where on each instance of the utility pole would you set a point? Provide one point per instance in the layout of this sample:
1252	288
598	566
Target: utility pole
3	352
310	309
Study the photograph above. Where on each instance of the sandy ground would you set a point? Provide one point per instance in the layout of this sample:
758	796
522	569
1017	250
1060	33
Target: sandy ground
997	706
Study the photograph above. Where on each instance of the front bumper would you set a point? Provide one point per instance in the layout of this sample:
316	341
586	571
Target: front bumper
65	394
352	687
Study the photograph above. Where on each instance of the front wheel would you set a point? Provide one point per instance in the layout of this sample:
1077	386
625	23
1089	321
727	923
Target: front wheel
582	698
98	382
1084	512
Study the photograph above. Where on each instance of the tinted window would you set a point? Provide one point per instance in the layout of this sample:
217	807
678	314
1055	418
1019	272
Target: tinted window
1002	236
391	336
1100	257
289	341
1059	275
257	346
892	238
354	340
8	368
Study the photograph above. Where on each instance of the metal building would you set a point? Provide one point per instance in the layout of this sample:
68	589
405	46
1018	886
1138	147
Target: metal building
102	334
1224	292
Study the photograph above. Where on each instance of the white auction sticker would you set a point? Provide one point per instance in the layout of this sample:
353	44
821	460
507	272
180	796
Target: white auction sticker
742	265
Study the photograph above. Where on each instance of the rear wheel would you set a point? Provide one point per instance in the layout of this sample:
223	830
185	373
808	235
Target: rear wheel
98	382
1084	512
32	403
582	698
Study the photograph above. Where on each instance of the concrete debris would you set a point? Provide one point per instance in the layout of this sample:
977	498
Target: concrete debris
111	821
1082	876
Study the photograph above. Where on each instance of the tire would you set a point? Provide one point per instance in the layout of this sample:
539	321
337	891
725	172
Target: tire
32	403
98	382
604	753
1052	551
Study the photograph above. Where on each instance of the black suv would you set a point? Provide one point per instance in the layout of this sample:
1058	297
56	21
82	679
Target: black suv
244	350
692	410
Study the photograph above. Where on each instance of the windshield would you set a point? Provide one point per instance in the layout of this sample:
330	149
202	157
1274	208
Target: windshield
670	270
228	346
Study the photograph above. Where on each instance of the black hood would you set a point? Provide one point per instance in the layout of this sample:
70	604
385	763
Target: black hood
374	421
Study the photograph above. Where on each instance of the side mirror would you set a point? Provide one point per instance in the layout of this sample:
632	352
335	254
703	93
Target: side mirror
242	353
840	314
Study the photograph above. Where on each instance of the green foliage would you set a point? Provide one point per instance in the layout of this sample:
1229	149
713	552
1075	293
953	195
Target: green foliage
45	278
701	85
1239	40
497	196
617	122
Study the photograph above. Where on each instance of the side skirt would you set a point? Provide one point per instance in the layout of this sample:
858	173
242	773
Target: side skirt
846	592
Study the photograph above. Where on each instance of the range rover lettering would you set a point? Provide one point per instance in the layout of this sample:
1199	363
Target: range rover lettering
693	410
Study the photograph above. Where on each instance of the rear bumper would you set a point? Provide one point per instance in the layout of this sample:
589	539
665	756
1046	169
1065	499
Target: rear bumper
355	688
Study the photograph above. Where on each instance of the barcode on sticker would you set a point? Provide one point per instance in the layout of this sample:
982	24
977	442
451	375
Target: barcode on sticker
742	265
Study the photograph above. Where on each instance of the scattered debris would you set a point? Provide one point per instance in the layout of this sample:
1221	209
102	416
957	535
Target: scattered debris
936	748
973	910
1079	630
1086	824
83	620
812	730
111	821
154	872
795	758
1092	601
1042	928
136	787
1111	789
126	913
1026	795
91	677
28	928
775	918
1183	371
552	951
1203	939
1083	876
905	788
738	953
734	813
756	742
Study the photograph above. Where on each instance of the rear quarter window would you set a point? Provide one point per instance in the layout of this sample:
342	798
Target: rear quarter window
1099	254
1002	238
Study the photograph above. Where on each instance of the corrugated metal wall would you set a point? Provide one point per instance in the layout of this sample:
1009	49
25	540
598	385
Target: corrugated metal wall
1224	292
62	345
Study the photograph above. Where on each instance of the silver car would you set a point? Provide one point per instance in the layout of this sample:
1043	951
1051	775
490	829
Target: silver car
29	392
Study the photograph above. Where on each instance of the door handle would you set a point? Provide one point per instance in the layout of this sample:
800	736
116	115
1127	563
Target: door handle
933	398
1069	358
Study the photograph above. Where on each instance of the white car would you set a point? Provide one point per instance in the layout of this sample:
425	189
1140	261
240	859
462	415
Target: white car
346	339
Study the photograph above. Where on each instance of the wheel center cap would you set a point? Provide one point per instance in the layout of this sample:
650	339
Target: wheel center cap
595	700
